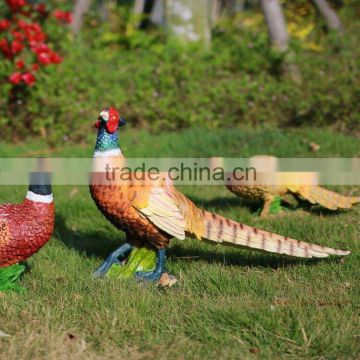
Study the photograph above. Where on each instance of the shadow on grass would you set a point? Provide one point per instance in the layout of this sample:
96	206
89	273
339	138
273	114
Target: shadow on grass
234	257
254	206
227	203
91	243
100	244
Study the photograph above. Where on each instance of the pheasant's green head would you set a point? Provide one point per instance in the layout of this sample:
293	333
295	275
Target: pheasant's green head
108	124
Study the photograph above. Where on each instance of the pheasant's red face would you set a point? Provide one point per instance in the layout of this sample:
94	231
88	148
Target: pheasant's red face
111	119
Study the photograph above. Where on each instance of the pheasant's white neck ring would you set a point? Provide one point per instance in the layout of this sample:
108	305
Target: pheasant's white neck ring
107	153
45	199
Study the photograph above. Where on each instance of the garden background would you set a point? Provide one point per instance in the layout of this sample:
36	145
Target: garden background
233	92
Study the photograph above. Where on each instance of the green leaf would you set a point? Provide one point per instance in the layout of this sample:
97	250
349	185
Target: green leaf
9	276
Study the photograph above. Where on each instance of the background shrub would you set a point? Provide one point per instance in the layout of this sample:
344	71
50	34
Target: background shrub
166	86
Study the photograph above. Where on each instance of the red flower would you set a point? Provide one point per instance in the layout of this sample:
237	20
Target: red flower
16	5
17	35
64	16
4	45
42	48
4	24
20	64
5	48
55	58
21	24
15	78
23	33
16	47
29	78
33	32
41	8
44	58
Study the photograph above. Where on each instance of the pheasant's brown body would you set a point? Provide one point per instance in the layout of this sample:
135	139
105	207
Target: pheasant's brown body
121	203
114	202
24	229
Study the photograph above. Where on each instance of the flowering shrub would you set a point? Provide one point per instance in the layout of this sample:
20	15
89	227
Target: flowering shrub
23	41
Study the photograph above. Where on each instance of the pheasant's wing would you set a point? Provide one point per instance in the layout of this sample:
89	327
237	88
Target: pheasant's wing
159	206
326	198
303	191
168	209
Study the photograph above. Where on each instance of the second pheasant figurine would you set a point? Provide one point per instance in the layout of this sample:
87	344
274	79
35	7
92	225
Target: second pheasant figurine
25	228
155	214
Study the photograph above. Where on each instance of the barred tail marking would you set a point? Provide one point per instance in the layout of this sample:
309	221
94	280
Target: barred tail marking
222	230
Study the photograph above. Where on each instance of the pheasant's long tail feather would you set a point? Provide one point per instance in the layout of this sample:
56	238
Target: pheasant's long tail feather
326	198
221	230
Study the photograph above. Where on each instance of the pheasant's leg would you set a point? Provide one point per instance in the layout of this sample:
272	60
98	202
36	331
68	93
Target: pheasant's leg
113	258
266	207
154	275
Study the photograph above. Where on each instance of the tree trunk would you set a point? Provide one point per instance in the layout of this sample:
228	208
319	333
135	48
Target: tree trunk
331	19
139	7
216	10
227	7
158	13
234	6
275	20
189	20
103	10
80	9
279	37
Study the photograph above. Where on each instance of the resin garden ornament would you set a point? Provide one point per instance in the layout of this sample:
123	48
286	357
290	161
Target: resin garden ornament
153	214
272	195
25	228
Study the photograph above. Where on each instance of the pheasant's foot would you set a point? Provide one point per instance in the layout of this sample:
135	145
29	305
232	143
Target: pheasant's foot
112	259
155	275
151	276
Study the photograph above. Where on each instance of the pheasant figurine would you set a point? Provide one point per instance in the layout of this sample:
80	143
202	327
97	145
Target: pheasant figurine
155	214
270	193
25	228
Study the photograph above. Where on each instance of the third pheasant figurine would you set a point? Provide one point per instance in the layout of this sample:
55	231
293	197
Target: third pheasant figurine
314	194
155	214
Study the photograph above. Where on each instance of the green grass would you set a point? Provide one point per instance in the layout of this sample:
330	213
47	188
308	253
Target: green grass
229	303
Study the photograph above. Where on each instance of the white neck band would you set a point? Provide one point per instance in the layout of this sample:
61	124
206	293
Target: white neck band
108	153
45	199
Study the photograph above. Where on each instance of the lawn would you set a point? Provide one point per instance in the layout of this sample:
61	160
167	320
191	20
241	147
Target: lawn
229	303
